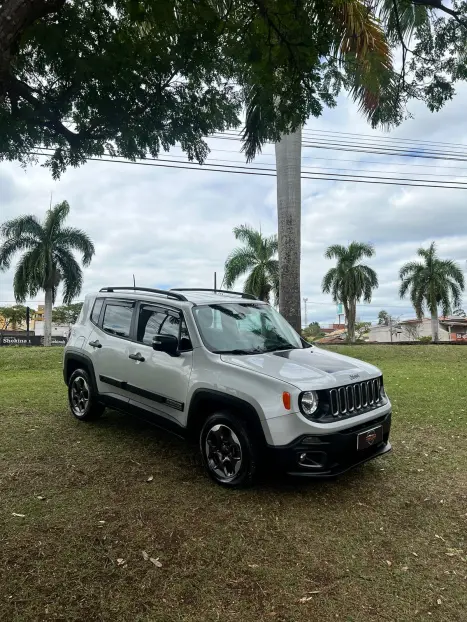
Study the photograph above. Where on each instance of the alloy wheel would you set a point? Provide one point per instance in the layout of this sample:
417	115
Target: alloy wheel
223	452
79	396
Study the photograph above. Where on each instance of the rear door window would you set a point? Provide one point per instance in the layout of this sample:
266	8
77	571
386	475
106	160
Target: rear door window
117	319
96	310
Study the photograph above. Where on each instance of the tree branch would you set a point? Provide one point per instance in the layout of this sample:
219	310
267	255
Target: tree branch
437	4
52	120
15	17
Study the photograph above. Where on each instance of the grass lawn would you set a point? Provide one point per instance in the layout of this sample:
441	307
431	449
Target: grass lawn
386	542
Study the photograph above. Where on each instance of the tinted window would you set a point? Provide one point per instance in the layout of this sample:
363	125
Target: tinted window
154	322
117	320
149	324
96	310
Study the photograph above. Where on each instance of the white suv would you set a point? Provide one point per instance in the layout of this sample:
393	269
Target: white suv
227	370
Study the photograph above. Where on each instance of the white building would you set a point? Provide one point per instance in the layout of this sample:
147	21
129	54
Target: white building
58	330
450	329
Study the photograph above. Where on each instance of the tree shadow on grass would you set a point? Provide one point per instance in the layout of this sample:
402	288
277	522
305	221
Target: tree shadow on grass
131	432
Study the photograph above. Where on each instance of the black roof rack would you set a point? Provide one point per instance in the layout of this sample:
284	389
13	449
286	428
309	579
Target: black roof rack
168	293
214	291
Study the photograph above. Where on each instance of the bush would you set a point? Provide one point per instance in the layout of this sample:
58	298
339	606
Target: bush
425	339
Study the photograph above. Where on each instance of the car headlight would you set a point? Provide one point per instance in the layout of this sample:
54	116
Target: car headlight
308	403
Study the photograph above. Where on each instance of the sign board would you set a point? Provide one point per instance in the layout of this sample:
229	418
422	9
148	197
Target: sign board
340	309
34	340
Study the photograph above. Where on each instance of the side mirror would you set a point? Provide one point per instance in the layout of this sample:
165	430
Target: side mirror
166	343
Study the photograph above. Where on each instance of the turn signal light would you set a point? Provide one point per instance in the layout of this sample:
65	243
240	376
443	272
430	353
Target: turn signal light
287	400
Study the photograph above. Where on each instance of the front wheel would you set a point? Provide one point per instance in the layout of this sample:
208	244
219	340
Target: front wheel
82	400
228	450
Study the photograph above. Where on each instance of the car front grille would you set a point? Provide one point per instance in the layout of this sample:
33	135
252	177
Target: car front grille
354	399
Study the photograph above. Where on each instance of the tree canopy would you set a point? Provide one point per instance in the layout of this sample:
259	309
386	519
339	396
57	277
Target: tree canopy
48	258
67	314
13	316
129	77
350	281
432	283
257	258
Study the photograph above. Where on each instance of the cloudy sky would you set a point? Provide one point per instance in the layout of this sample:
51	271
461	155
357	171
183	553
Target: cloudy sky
173	227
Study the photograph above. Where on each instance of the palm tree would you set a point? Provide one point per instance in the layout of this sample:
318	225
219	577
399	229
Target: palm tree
432	283
48	259
258	257
360	45
350	281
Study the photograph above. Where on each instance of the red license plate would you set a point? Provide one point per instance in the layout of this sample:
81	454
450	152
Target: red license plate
370	438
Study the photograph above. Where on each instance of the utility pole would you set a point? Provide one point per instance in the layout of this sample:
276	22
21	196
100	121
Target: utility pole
215	281
390	327
305	300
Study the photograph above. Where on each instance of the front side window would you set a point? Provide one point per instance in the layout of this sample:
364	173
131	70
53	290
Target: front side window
244	328
117	319
153	322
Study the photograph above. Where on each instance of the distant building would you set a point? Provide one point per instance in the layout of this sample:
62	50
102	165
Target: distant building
449	329
332	328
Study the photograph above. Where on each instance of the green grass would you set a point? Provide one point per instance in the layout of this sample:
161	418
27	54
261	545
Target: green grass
385	542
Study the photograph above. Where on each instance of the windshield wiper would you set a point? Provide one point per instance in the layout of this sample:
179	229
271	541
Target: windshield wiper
284	346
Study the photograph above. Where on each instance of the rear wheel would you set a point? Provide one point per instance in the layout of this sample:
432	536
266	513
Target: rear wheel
83	402
228	450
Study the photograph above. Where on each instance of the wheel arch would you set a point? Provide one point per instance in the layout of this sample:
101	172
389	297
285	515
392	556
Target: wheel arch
205	402
73	361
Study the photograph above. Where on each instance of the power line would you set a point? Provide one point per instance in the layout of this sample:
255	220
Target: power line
373	151
235	164
378	137
404	164
375	143
262	172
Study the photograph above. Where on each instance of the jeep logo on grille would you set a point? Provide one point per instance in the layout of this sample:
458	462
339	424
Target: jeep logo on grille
354	376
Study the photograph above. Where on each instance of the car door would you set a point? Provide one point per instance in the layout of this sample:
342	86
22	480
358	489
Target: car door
158	382
109	347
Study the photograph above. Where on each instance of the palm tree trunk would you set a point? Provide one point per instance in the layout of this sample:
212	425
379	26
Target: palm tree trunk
288	166
351	312
48	317
434	326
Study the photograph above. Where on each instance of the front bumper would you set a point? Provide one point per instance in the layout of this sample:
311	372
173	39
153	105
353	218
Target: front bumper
330	454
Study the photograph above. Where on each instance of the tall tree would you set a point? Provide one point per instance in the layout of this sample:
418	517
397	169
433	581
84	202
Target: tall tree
47	260
432	283
383	318
350	281
13	316
67	314
257	258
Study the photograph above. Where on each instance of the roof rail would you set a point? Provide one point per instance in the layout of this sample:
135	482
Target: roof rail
164	292
214	291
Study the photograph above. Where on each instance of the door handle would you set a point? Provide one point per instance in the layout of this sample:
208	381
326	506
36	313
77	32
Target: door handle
137	357
95	344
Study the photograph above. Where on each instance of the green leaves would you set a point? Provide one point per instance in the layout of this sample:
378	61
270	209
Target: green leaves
48	259
257	258
432	283
136	77
350	280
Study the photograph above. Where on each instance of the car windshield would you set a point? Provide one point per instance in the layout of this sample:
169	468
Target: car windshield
244	328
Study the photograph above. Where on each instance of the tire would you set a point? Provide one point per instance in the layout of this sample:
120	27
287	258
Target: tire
228	450
82	398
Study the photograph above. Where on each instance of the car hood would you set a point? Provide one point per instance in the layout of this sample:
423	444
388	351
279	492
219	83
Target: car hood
308	368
